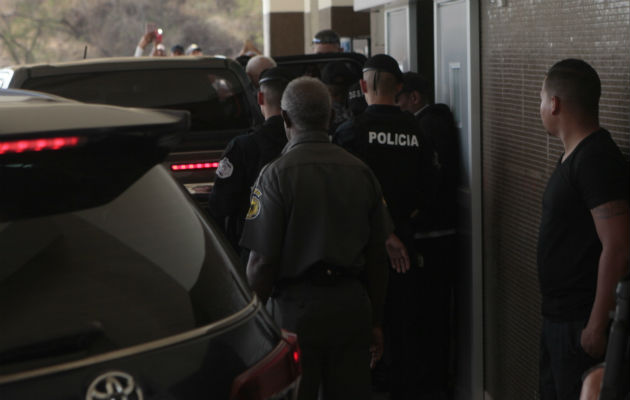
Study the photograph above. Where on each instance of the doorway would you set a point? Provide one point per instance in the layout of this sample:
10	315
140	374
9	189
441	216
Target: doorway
456	47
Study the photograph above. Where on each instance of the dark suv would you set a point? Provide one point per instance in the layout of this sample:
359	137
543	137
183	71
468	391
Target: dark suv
113	284
215	91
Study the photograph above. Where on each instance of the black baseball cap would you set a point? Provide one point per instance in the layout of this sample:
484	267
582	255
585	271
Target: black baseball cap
276	74
326	36
384	63
414	81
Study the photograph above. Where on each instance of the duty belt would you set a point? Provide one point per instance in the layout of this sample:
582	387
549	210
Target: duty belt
320	274
435	234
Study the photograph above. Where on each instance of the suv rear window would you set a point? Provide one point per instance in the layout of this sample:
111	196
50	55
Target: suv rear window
215	98
139	268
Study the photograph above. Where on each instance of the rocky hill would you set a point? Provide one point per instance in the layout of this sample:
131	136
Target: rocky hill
58	30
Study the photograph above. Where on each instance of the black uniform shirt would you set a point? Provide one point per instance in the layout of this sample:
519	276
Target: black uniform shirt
316	203
568	246
240	164
390	142
439	127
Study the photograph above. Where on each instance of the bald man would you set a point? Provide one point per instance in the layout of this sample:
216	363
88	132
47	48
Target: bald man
256	65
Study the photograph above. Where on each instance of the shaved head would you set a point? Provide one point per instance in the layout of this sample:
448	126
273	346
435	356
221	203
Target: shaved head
256	65
576	84
381	82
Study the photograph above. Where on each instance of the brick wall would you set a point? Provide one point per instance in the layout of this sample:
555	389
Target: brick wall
520	40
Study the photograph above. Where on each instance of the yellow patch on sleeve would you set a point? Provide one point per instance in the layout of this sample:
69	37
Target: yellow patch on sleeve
254	204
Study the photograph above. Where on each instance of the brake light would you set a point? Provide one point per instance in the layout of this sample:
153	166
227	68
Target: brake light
25	145
193	166
276	374
296	356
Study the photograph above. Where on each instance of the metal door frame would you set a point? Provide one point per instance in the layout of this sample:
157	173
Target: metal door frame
473	387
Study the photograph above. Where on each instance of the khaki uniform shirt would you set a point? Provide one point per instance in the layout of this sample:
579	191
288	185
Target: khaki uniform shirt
318	203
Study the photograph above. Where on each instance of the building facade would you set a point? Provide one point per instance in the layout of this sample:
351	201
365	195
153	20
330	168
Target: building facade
488	59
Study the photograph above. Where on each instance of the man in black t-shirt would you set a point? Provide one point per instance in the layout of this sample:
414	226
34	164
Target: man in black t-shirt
583	243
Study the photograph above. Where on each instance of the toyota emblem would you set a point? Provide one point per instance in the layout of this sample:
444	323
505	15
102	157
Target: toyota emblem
114	385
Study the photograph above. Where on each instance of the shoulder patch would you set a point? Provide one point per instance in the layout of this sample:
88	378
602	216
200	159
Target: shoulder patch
225	168
254	204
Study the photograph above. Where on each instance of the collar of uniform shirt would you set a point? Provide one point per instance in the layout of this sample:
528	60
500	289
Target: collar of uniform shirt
306	137
420	110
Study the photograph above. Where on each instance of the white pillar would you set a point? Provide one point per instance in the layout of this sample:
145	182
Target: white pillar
283	27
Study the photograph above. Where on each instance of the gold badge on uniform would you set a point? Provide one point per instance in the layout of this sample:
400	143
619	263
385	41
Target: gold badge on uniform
254	204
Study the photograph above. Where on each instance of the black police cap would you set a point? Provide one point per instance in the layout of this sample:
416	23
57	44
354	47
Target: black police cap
276	74
385	63
338	73
326	36
414	81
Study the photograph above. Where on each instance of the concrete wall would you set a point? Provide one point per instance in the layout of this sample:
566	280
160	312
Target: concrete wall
289	25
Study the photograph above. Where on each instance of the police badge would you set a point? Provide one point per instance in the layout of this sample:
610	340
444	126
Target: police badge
225	168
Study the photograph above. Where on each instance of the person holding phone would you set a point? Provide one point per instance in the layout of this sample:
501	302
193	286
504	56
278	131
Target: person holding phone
152	34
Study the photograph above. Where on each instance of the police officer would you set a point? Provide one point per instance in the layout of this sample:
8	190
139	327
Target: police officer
436	238
245	155
327	41
316	229
390	142
338	77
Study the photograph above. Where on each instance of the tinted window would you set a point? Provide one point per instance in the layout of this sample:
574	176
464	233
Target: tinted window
315	68
215	98
141	267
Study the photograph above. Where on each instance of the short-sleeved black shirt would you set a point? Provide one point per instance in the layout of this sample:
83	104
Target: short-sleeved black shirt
389	140
316	203
438	125
568	246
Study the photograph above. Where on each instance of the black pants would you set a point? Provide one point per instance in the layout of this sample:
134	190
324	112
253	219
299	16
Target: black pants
418	317
334	327
562	360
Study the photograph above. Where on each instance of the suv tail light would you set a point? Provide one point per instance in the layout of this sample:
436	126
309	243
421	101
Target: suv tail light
24	145
274	377
193	166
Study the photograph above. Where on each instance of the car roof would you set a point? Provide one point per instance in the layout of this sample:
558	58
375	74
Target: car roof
24	95
123	63
357	58
26	113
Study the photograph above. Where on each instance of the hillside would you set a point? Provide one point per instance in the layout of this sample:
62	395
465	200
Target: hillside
58	30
